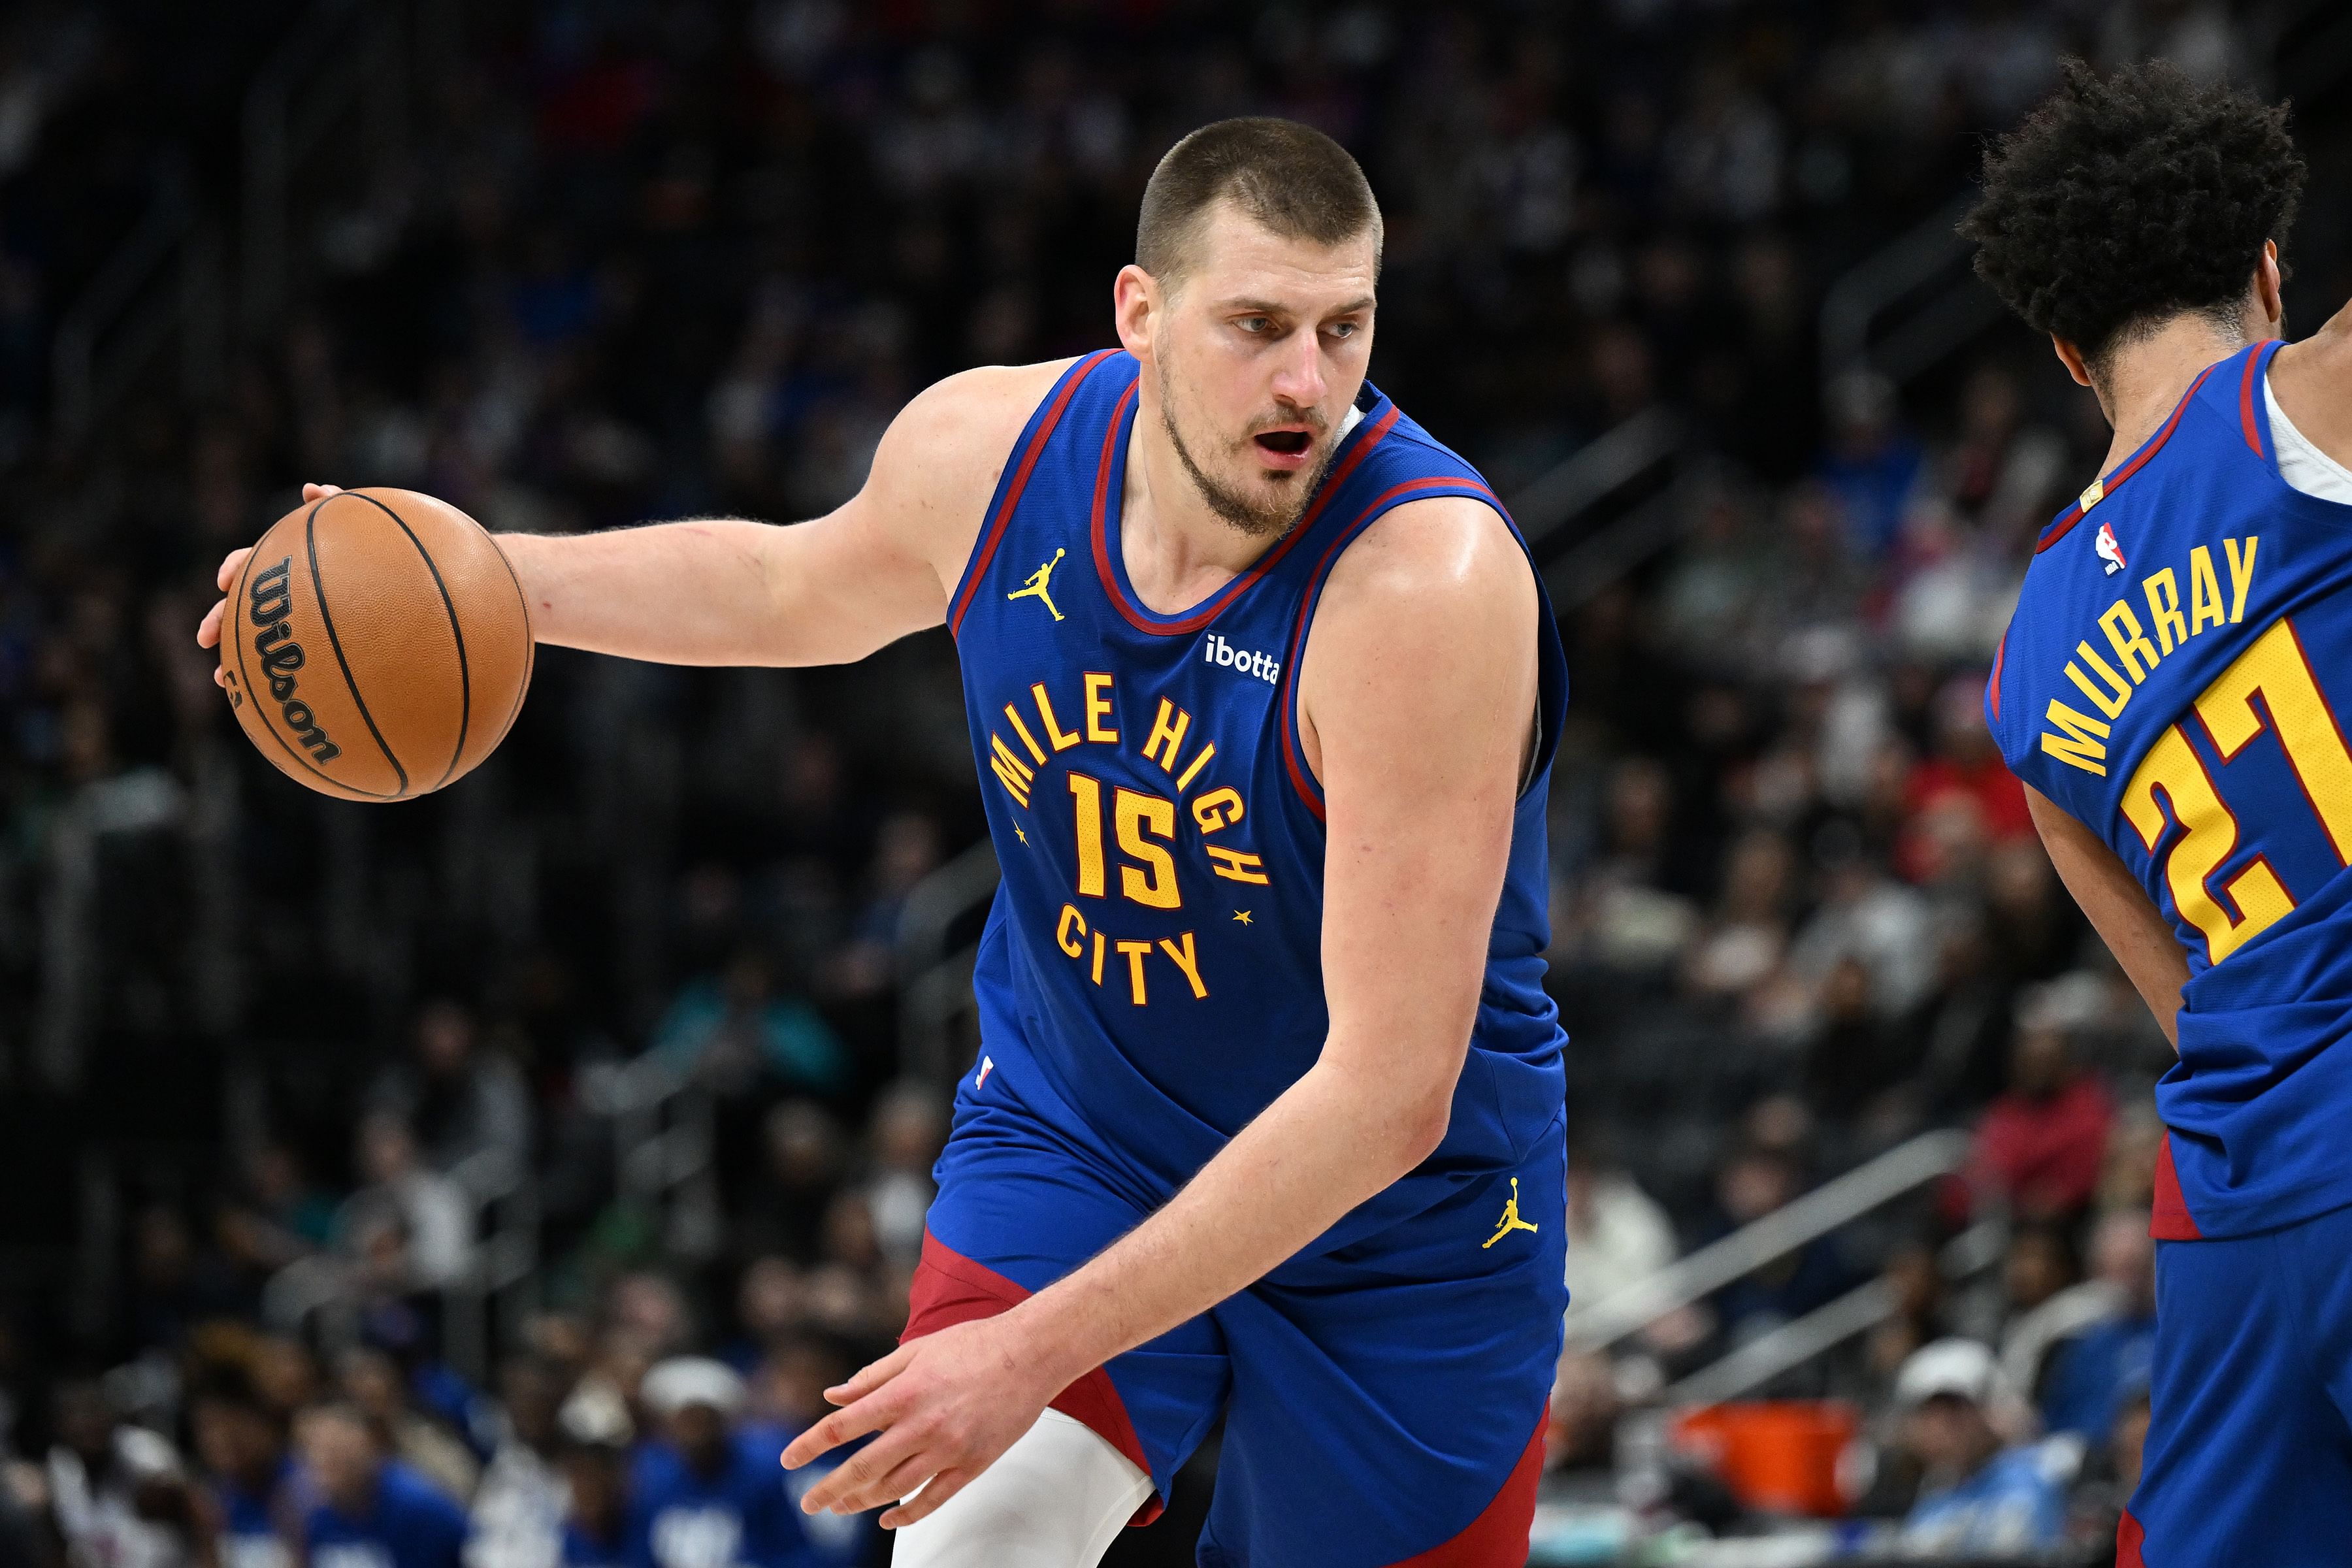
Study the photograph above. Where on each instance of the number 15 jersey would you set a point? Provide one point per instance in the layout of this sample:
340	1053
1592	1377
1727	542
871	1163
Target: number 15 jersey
2175	678
1150	976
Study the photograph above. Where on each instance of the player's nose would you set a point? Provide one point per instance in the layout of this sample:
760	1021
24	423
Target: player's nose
1299	378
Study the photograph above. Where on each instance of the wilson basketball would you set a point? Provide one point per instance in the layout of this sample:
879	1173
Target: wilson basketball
377	645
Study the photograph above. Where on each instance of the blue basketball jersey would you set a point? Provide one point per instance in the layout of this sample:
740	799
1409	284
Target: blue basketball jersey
1151	974
2174	679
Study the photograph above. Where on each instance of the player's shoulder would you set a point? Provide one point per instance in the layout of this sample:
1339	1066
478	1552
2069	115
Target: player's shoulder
1441	570
978	410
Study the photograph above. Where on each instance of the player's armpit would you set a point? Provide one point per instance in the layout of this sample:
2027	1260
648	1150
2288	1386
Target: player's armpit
1417	688
2135	930
716	591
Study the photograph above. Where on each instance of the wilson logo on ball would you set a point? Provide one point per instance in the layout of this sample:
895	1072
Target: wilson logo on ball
281	656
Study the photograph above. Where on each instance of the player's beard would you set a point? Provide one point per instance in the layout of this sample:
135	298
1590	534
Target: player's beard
1269	518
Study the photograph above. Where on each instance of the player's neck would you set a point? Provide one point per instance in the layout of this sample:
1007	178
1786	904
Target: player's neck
2145	380
1176	549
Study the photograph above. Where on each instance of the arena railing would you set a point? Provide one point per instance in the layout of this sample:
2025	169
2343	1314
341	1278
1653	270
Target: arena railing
345	54
164	281
935	975
1822	1331
1915	302
1925	269
663	1140
1903	1169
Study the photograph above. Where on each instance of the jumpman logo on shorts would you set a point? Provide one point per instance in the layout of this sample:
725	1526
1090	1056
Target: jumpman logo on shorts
1037	580
1511	1220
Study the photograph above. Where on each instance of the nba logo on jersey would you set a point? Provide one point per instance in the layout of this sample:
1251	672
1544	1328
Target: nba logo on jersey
2109	551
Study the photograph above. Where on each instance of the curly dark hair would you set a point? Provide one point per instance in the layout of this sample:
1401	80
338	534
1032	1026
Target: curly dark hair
2125	200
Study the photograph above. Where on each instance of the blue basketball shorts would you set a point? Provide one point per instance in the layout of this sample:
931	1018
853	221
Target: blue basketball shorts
2249	1456
1384	1402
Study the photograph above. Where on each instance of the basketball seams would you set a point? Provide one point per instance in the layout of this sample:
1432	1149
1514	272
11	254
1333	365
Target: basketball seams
465	681
235	626
319	591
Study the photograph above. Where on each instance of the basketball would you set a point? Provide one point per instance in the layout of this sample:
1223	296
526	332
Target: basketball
377	645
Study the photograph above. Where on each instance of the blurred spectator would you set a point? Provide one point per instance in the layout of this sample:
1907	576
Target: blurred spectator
372	1384
785	1205
413	1226
2040	1145
706	1495
1616	1233
594	1434
468	1110
103	1481
518	1511
371	1511
1756	1182
1916	1279
910	1128
2047	1299
1872	465
771	1303
243	1445
2094	1371
1584	1413
1980	1499
730	1034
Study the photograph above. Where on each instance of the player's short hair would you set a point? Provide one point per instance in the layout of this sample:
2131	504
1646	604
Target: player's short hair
2126	200
1289	177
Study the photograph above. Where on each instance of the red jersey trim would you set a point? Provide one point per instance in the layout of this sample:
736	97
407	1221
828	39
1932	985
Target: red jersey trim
1142	620
1497	1538
2129	1535
2066	520
1012	497
2246	405
951	1288
2170	1219
1308	791
1992	687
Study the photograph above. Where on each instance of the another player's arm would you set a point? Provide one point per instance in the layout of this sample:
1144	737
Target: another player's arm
1417	688
730	591
2135	930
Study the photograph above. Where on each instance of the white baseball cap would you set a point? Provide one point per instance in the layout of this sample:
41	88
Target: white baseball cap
1962	1368
673	1385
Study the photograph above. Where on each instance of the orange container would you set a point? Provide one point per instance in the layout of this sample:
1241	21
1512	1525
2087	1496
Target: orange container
1776	1454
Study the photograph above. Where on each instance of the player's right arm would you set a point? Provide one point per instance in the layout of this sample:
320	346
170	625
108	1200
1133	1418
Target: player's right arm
730	591
2134	929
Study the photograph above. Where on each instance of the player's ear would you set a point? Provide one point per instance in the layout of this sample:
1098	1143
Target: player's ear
2072	358
2270	278
1135	299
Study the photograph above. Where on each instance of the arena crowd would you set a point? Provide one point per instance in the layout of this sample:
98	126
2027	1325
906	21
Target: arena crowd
641	262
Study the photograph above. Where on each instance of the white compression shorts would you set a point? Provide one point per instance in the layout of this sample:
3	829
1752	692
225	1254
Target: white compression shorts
1056	1499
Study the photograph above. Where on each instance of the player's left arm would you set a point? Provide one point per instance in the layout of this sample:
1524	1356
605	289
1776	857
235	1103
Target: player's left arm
1417	690
2134	929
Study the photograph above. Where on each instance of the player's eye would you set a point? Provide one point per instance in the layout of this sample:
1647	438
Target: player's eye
1254	324
1341	328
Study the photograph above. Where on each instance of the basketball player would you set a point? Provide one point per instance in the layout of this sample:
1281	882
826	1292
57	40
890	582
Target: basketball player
1269	1115
2174	691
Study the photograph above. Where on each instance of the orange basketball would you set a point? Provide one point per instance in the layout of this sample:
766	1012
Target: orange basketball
377	645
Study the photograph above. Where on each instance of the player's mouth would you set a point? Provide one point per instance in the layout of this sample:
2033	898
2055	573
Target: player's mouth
1287	447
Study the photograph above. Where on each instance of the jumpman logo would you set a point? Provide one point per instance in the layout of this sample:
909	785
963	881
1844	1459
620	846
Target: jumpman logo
1511	1220
1037	580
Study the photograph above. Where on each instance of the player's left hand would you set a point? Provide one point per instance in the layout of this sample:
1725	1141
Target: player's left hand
946	1405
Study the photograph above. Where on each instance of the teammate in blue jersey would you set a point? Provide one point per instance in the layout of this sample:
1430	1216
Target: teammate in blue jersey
2173	690
1267	1120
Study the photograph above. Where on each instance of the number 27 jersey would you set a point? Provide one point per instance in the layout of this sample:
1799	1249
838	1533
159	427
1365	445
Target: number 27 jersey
1151	974
2176	677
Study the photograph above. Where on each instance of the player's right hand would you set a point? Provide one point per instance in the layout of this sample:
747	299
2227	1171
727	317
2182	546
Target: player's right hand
209	631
